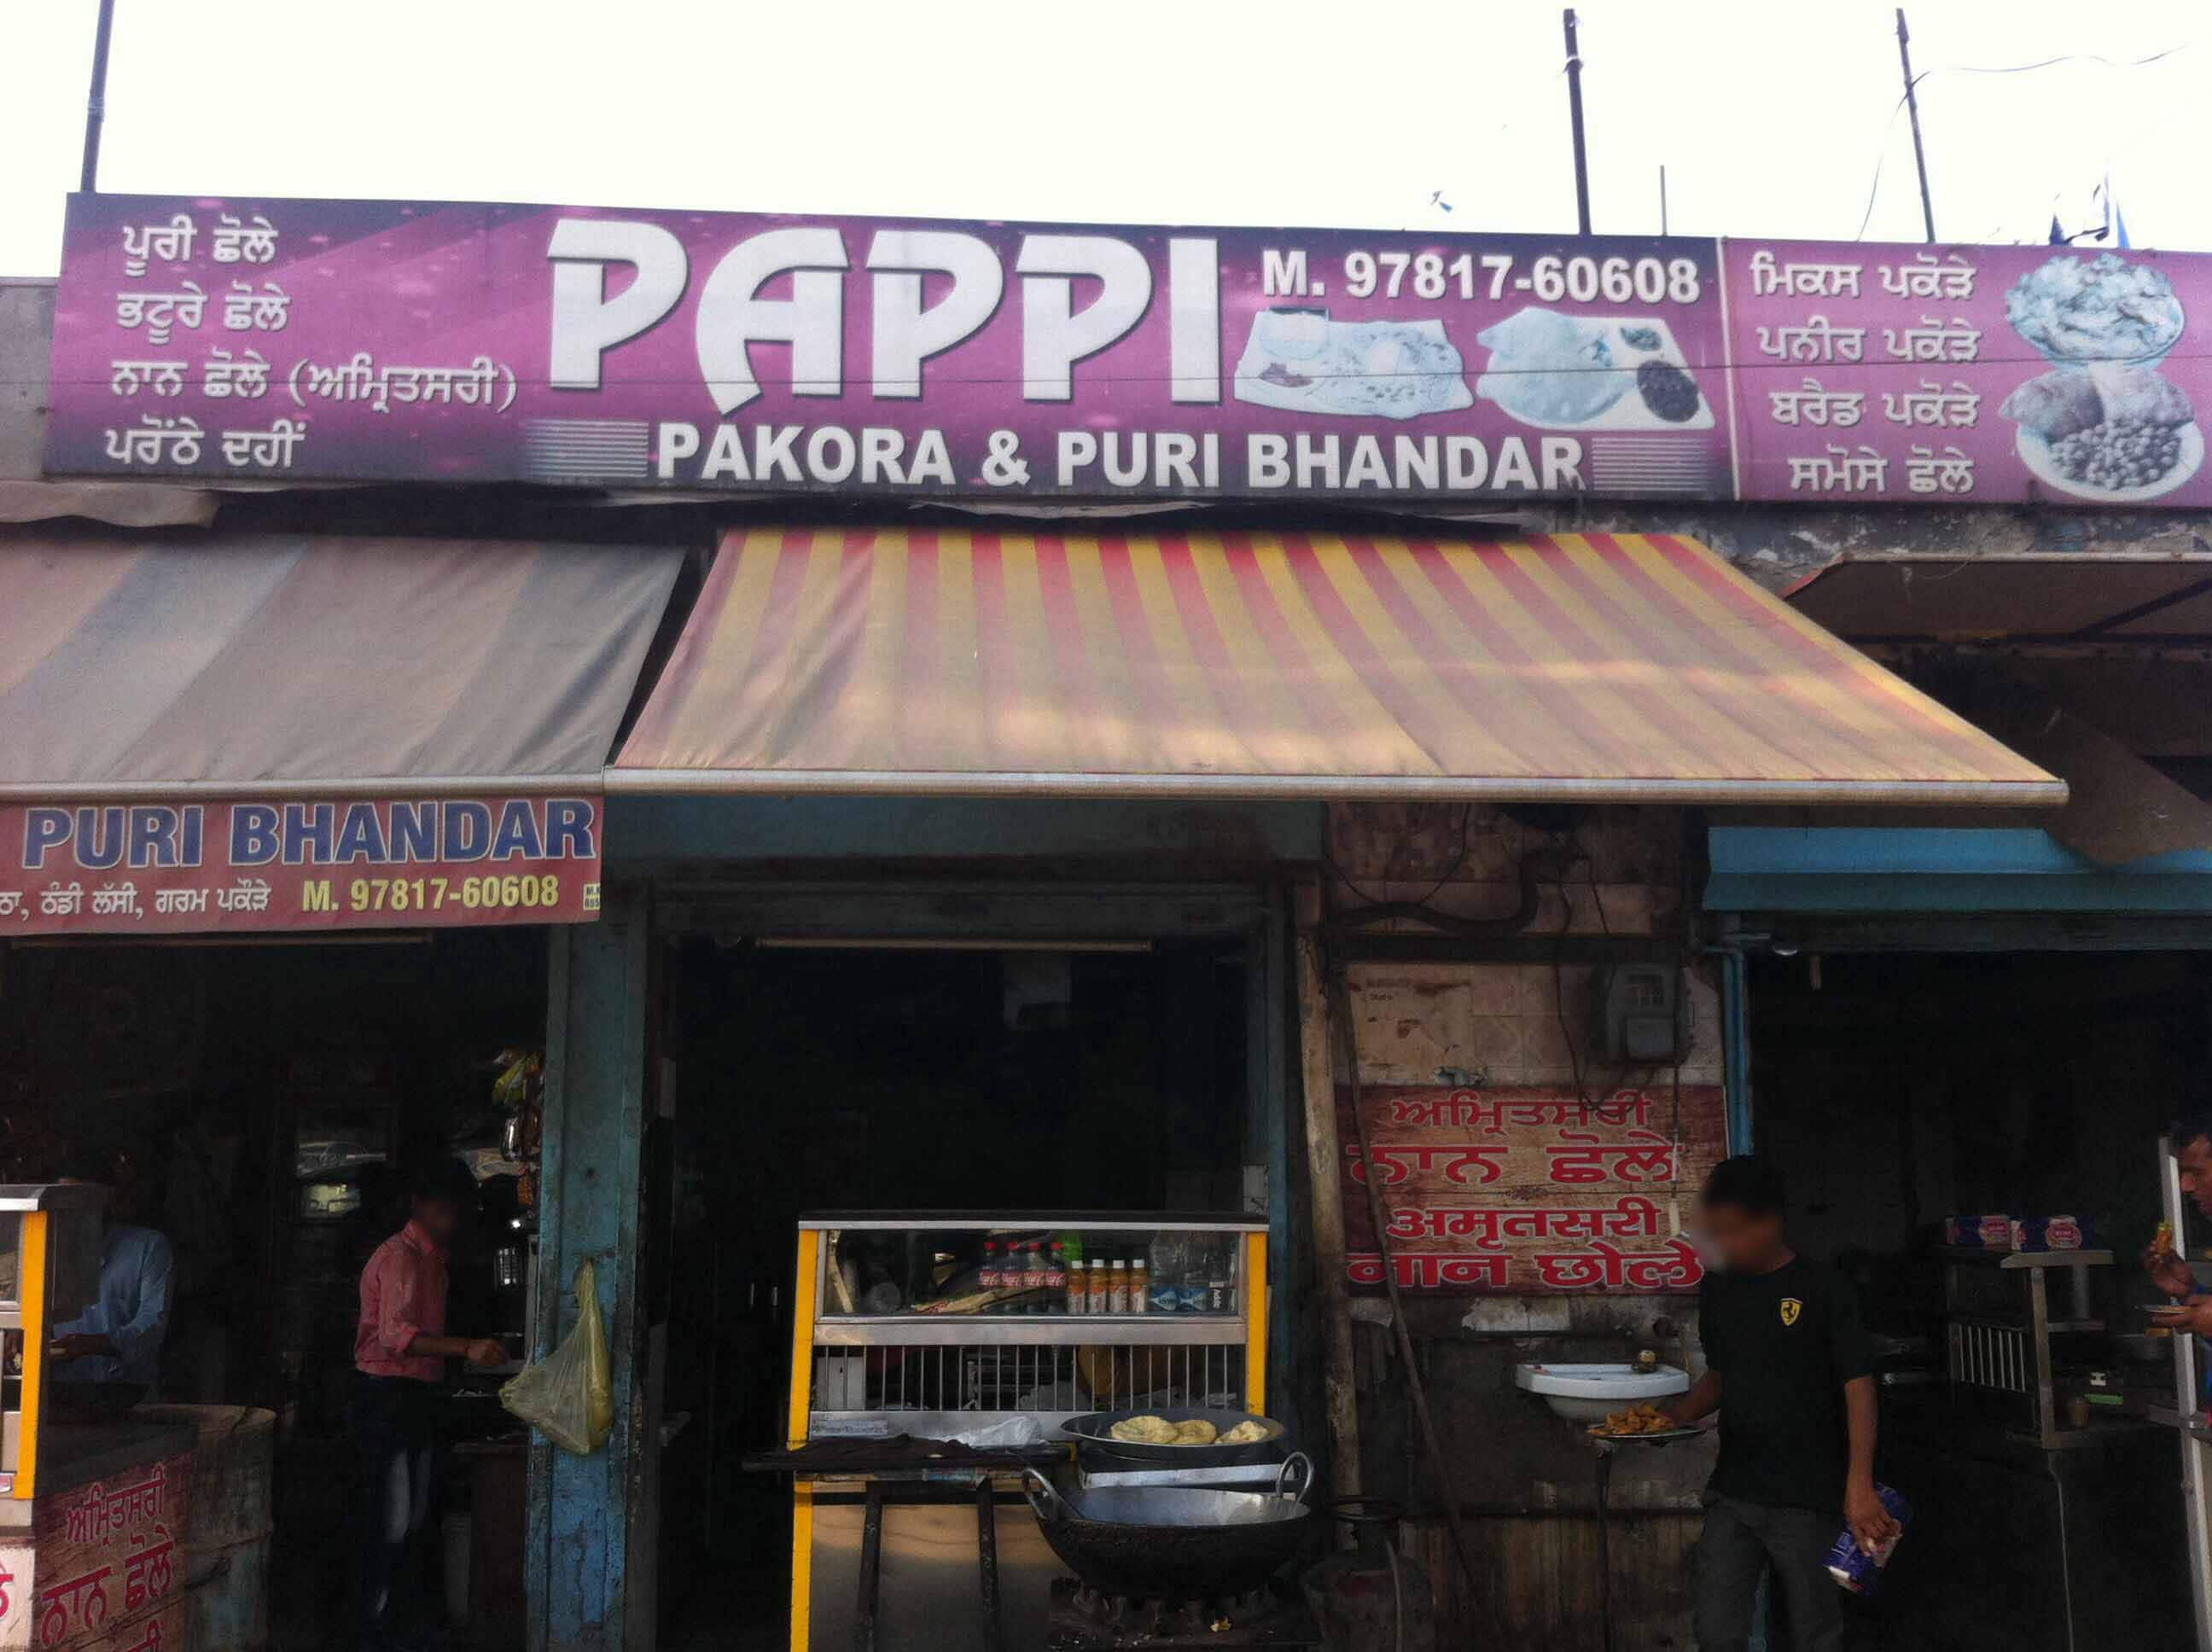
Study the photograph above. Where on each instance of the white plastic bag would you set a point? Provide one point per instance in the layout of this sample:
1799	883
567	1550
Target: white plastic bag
569	1395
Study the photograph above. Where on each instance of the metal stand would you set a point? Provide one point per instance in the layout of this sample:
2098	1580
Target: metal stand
1605	1546
872	1571
987	1560
1605	1445
872	1566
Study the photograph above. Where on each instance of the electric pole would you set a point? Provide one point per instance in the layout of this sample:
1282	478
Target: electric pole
95	108
1913	108
1575	113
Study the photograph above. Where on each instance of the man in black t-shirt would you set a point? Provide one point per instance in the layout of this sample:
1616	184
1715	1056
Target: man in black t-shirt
1787	1362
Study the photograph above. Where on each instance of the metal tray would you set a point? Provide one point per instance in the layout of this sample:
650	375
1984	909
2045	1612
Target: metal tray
1094	1437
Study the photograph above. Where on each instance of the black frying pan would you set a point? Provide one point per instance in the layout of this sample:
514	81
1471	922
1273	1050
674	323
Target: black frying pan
1094	1433
1169	1543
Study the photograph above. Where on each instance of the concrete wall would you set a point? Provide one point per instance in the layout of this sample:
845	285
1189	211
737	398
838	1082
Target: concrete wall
1525	1476
27	325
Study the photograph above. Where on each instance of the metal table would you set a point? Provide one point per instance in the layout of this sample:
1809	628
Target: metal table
906	1465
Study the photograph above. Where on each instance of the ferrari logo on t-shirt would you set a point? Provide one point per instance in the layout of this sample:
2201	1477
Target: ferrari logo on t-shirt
1791	1307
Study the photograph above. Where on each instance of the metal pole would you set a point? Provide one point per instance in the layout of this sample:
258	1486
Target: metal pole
1575	114
1913	108
95	108
1663	197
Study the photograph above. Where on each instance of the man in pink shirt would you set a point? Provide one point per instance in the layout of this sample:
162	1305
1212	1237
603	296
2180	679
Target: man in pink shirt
399	1352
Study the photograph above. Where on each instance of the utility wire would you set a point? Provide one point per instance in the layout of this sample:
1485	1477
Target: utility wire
1890	126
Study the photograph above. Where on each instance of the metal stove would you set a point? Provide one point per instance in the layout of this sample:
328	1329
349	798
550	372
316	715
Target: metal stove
1086	1620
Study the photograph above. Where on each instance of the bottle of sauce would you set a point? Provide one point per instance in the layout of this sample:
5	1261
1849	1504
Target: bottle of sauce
1117	1286
1141	1285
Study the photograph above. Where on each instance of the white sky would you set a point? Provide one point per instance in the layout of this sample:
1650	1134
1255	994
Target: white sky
1770	118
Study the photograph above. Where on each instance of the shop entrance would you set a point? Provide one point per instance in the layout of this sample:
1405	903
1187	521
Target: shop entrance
263	1107
1899	1090
1094	1069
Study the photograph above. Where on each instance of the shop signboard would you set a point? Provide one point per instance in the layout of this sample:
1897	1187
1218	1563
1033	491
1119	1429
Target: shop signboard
229	338
1530	1190
1958	374
155	868
224	338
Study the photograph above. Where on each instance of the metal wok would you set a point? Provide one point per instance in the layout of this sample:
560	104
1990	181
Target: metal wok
1170	1543
1094	1437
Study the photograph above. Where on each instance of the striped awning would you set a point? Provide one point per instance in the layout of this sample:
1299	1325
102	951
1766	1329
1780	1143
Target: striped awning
1592	667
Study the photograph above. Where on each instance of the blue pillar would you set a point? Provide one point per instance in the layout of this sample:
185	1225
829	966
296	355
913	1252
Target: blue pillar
581	1578
1735	1045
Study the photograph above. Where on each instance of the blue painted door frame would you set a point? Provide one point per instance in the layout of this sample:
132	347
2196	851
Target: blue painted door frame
590	1541
580	1576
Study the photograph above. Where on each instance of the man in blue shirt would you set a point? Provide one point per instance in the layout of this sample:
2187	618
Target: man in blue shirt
117	1338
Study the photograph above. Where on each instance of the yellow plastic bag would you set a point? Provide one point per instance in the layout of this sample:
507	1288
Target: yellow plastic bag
569	1395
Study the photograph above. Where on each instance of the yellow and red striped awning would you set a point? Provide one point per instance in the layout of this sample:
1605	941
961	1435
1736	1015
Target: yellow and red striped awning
1593	667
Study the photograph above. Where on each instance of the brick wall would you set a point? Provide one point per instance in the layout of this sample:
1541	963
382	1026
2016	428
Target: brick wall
1526	1476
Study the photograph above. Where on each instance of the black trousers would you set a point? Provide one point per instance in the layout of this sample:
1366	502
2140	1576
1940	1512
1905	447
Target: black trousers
1740	1541
394	1423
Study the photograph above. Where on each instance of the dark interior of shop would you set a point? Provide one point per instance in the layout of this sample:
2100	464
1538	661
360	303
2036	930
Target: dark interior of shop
260	1105
1896	1091
844	1078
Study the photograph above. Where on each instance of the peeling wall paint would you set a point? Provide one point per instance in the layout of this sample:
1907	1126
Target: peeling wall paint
1528	1477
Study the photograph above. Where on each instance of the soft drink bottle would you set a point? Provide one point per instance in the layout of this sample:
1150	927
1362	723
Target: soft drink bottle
1852	1566
1033	1279
1055	1279
988	1276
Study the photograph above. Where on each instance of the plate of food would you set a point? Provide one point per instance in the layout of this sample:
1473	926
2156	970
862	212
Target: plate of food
2078	310
2117	434
1562	372
1175	1435
1641	1421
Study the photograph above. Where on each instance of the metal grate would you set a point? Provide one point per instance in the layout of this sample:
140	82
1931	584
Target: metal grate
997	1377
1986	1356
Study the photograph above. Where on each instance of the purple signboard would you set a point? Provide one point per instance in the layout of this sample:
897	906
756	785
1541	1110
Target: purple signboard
1950	374
269	338
228	338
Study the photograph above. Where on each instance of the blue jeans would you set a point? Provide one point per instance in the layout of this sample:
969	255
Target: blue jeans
394	1424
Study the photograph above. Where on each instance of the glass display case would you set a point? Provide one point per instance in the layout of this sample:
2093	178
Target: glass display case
928	1323
972	1327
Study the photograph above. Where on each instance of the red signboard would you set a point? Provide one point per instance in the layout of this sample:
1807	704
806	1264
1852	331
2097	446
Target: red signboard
1530	1189
359	863
104	1570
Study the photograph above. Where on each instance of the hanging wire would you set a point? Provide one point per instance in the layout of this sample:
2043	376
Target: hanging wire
1890	126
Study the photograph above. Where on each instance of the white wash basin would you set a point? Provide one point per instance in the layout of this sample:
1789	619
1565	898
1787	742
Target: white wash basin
1585	1393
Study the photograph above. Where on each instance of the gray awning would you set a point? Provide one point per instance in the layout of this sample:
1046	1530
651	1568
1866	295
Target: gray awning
272	665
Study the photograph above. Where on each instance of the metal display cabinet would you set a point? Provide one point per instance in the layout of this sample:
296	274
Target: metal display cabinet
952	1357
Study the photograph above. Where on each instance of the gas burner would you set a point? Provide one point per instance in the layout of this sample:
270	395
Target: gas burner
1084	1619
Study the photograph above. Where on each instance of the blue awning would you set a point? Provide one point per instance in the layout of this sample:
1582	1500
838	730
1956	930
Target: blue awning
1876	869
